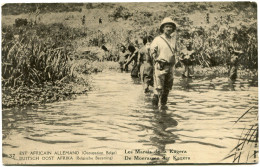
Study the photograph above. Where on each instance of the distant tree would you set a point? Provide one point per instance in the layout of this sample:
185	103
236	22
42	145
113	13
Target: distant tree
121	12
20	22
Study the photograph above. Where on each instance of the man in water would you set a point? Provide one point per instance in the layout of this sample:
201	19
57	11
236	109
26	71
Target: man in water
188	60
234	60
163	50
122	58
133	56
146	64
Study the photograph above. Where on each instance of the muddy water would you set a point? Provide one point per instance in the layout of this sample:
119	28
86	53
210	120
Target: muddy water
117	116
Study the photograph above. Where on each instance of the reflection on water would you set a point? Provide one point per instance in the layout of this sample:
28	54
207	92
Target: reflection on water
117	115
161	136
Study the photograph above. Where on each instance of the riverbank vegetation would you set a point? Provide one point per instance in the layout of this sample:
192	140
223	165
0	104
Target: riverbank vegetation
48	50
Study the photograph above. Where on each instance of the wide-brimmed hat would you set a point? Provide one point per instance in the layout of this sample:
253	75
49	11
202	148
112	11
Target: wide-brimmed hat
167	20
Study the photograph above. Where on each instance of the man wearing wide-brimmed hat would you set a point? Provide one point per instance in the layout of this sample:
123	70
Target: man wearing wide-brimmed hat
163	50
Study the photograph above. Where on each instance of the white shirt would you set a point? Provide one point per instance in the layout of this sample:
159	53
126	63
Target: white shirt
161	50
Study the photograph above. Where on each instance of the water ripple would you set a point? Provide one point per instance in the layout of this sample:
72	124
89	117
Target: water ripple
118	115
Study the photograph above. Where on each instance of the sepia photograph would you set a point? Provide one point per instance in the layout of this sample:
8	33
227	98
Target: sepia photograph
129	83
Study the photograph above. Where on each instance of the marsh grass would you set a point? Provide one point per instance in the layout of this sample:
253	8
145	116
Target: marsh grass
38	65
246	150
28	59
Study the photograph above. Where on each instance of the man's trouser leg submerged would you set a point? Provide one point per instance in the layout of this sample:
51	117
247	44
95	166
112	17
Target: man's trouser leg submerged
146	74
167	87
163	81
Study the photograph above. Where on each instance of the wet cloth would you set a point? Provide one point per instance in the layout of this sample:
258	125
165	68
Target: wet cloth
163	78
163	82
146	68
187	57
233	73
135	70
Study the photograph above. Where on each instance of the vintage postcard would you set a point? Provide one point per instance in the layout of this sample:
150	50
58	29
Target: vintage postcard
129	83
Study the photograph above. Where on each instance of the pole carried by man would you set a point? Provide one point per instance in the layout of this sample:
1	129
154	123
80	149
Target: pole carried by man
163	50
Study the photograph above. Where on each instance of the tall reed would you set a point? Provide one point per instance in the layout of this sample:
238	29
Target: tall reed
38	54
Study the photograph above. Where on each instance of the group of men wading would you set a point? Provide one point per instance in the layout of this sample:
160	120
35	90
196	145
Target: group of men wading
154	62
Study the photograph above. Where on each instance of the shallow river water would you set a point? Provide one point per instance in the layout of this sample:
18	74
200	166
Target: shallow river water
112	122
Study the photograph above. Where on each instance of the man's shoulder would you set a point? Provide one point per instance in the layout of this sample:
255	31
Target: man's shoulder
157	38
